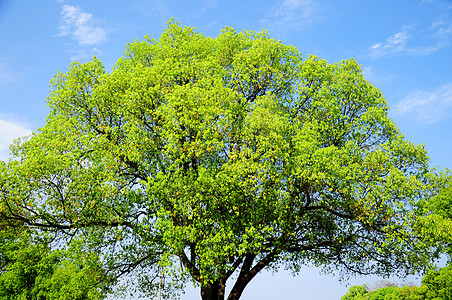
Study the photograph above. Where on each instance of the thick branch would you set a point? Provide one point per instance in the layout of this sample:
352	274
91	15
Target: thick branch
55	225
194	272
234	266
247	274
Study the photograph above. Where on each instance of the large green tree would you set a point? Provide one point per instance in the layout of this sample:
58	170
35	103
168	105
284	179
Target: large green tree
435	226
211	159
389	293
30	270
436	285
439	283
436	221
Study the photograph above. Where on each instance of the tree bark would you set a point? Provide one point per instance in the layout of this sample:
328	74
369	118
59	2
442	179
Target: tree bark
213	291
247	273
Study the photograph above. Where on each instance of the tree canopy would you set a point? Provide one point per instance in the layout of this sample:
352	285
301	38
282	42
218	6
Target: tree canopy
434	223
30	269
211	159
388	293
436	285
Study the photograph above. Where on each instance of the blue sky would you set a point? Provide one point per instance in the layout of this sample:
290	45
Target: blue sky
404	46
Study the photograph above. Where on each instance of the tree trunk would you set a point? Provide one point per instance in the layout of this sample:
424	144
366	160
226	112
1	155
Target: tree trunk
213	291
237	290
216	290
247	274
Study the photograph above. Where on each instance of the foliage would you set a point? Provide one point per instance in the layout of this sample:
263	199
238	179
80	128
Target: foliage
380	284
439	283
442	203
388	293
207	157
436	285
30	270
356	292
435	223
436	226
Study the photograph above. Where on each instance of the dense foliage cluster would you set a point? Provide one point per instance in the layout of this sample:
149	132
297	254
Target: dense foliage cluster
200	158
30	270
436	285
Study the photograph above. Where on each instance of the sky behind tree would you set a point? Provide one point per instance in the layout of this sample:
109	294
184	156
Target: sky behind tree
404	47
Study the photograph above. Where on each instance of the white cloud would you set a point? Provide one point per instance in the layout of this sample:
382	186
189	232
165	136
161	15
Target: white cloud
81	26
427	106
394	44
438	36
443	29
292	13
9	131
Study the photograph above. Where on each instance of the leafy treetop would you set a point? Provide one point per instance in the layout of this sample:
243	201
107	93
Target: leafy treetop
207	157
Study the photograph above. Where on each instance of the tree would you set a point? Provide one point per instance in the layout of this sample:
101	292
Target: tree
356	292
380	284
393	292
439	283
435	221
436	285
30	270
211	159
434	226
441	204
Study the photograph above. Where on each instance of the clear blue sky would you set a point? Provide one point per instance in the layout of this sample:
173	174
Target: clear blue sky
404	46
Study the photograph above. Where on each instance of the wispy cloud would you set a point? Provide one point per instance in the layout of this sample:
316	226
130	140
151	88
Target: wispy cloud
396	43
292	14
427	106
442	29
81	26
10	130
437	37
